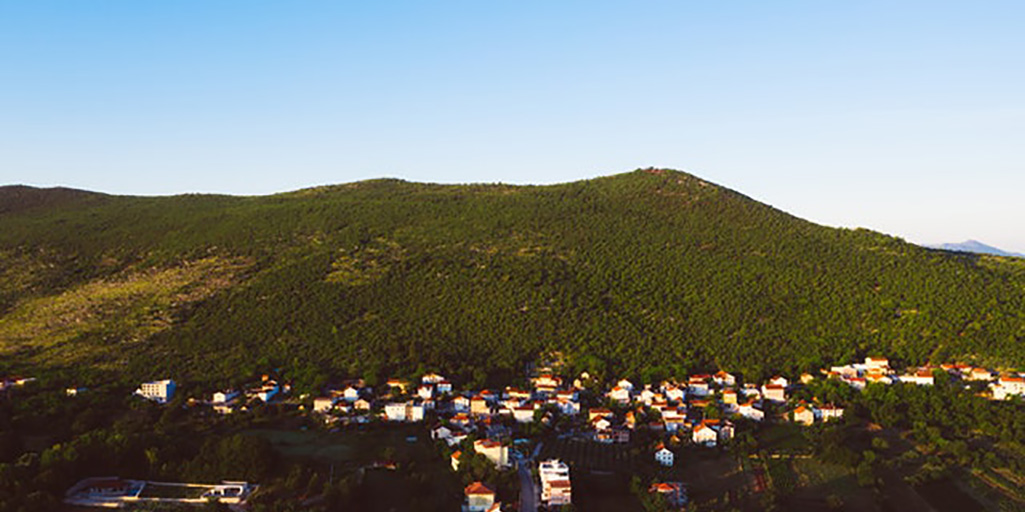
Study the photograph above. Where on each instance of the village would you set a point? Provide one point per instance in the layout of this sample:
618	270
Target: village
705	410
510	427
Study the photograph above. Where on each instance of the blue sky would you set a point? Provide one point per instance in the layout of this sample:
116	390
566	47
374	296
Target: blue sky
904	117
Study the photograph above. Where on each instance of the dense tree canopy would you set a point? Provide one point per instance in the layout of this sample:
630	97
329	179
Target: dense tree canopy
623	274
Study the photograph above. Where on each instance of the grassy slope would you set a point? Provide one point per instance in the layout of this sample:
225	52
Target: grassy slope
637	269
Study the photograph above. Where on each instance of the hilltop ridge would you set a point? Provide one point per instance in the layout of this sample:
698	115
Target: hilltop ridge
635	272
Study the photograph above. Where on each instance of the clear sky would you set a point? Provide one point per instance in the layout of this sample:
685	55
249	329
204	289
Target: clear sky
906	117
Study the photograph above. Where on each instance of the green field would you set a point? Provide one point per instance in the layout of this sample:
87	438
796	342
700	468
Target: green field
589	455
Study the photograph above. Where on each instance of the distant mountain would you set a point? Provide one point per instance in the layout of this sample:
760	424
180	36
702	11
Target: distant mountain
650	273
975	246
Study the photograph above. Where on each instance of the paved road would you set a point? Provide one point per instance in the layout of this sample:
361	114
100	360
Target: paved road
529	492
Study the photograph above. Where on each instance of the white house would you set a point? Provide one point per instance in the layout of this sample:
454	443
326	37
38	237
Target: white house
749	411
223	397
774	393
877	363
547	384
620	394
323	404
523	414
724	379
804	415
830	412
395	411
441	432
160	391
425	392
1008	386
623	383
923	377
266	391
495	451
697	388
673	423
601	423
350	394
663	456
415	412
479	497
980	374
432	378
711	432
675	393
444	387
779	381
704	435
647	395
556	488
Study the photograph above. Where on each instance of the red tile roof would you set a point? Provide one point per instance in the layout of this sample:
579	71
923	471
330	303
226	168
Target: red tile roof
478	488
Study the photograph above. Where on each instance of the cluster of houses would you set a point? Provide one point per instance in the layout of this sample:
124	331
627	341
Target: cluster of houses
403	403
224	401
702	409
877	369
675	408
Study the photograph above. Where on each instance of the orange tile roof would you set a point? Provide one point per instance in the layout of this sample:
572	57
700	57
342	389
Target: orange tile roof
478	488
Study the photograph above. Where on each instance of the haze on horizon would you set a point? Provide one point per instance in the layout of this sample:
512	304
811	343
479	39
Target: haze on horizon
904	119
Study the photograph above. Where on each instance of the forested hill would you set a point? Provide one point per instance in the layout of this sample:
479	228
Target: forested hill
645	273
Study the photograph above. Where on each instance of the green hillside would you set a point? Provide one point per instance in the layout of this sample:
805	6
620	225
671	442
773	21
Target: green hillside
641	273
